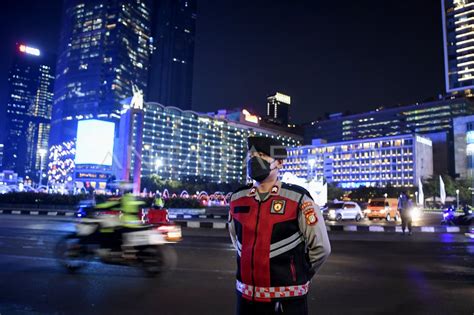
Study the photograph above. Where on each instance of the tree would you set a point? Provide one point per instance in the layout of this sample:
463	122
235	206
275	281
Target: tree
334	192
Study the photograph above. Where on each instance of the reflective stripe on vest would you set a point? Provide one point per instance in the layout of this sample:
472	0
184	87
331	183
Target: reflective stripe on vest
272	292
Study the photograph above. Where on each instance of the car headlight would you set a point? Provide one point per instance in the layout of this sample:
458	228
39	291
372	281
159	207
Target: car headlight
332	212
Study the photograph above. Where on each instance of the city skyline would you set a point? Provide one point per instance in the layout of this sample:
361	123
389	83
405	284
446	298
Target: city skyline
405	69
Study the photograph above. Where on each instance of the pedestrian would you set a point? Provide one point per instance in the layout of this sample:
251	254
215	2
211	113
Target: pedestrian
279	235
404	206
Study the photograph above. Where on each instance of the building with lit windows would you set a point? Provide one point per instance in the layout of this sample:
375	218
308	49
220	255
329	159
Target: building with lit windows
463	130
432	119
181	144
105	46
174	30
398	161
28	111
278	108
458	33
1	154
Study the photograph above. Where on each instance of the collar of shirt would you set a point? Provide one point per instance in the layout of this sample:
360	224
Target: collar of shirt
273	192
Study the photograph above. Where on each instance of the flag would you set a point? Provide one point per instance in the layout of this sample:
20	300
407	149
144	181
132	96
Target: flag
442	191
421	196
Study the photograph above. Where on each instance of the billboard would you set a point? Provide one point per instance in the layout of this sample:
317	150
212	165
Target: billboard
95	142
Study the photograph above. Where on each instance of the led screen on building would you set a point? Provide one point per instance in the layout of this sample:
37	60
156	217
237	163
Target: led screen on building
95	142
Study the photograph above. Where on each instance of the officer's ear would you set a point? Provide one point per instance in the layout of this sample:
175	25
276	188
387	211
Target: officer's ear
279	163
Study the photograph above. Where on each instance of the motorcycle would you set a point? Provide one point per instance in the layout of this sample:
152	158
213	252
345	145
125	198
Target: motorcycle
100	235
448	216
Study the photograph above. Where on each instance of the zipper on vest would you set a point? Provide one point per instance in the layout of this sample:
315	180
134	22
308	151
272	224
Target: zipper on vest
253	250
293	268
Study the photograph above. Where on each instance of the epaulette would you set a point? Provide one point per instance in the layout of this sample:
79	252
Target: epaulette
297	188
248	186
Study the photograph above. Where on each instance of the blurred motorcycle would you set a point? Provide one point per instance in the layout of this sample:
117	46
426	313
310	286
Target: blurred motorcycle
100	235
450	218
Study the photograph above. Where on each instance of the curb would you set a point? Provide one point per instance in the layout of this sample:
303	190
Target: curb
39	212
342	228
182	220
197	216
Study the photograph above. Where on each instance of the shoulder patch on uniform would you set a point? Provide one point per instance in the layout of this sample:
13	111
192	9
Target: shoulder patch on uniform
306	205
310	216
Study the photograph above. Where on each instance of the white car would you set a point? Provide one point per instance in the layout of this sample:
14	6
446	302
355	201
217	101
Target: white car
347	210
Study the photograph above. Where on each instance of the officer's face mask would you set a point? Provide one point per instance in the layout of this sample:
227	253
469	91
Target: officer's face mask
258	169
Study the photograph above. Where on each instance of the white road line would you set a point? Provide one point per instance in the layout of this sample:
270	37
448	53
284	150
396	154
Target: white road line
453	229
350	228
193	224
376	228
428	229
219	225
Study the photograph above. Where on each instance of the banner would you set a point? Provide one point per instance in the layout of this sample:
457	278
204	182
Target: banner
442	190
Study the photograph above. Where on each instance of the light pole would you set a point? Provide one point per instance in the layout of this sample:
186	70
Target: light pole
457	199
42	154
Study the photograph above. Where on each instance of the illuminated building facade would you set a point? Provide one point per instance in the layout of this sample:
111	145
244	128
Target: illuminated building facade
458	33
278	108
433	119
1	154
105	46
28	111
173	58
61	164
181	144
463	130
398	161
129	145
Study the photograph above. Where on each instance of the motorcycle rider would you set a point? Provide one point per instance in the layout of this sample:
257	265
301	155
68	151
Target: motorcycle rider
158	203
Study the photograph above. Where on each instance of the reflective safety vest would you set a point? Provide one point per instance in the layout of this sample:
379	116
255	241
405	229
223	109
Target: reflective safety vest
272	260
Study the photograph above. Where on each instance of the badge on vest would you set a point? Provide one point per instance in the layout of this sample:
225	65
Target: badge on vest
278	207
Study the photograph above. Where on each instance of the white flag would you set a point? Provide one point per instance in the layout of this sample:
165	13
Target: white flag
421	196
442	191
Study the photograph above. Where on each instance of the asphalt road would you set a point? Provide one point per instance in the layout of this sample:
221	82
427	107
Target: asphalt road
367	273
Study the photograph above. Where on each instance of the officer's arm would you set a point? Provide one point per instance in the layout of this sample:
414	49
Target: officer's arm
233	236
311	223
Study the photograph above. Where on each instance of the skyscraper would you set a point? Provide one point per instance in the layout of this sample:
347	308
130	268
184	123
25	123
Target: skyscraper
458	33
173	59
278	108
105	46
28	110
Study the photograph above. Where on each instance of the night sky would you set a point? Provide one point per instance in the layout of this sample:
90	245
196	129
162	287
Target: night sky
329	56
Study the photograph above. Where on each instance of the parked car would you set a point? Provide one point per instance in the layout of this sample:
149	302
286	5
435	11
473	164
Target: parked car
383	208
347	210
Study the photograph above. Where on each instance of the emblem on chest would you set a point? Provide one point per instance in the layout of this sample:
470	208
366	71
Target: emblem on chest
278	207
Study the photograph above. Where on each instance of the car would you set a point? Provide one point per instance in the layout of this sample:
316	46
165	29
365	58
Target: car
383	208
347	210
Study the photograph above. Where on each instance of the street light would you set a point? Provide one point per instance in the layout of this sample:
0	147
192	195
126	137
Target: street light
385	195
42	154
416	198
457	198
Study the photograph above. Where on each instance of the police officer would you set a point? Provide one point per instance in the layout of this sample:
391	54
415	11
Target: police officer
279	235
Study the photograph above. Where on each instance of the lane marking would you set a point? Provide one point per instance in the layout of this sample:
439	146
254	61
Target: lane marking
376	228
